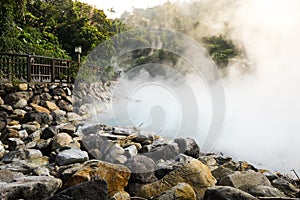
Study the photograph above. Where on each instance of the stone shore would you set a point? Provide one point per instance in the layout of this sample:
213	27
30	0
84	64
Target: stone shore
47	151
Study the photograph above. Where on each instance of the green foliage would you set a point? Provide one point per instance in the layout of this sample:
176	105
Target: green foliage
53	27
220	49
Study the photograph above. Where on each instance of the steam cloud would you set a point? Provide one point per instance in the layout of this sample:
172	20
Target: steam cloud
262	103
263	106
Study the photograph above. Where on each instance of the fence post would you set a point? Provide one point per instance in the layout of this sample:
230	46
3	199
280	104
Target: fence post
28	68
52	70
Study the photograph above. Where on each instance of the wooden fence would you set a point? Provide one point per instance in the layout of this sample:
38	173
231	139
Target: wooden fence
34	68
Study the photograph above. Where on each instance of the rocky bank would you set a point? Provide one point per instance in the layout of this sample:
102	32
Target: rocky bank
47	151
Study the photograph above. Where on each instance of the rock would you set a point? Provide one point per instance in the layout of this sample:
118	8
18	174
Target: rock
51	106
31	187
285	186
57	92
221	172
36	99
194	173
21	103
14	143
2	150
66	171
31	127
245	180
17	166
266	191
115	153
122	195
115	175
68	128
101	148
6	108
34	136
73	116
164	167
210	161
131	151
59	115
271	176
68	91
62	104
41	171
1	101
33	153
162	150
13	123
3	121
49	132
226	193
182	191
32	116
95	189
46	96
13	97
39	109
9	176
69	99
61	140
71	156
142	169
23	86
188	147
14	155
144	136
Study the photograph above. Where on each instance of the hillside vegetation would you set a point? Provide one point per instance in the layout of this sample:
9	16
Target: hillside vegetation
53	27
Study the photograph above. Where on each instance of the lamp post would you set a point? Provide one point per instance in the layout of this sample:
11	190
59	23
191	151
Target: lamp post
78	51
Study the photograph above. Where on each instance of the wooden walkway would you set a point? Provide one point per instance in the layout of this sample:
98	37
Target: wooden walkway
34	68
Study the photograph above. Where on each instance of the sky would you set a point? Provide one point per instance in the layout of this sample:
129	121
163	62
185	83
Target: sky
124	5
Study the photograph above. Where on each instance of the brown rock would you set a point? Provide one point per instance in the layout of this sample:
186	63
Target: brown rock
122	195
39	108
194	173
51	106
61	140
182	191
115	175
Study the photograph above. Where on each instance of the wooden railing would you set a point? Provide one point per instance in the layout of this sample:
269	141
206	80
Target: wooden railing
34	68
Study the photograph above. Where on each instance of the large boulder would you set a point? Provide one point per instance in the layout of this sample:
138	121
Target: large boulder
226	193
115	175
31	187
94	189
194	173
245	180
